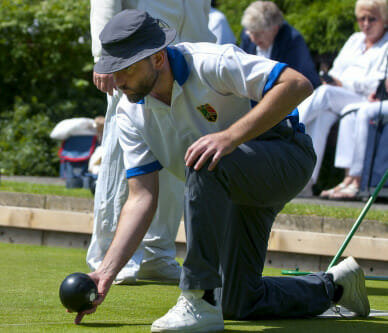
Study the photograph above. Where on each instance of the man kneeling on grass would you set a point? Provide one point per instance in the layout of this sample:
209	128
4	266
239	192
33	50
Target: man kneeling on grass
187	108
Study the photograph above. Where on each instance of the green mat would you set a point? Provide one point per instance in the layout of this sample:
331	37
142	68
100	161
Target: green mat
30	277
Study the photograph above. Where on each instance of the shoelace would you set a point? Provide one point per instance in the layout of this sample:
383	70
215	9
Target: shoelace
183	306
337	309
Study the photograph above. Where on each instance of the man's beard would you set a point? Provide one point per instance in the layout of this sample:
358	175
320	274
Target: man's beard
143	90
134	98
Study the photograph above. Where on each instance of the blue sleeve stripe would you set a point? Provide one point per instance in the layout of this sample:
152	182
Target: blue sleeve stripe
273	76
294	118
148	168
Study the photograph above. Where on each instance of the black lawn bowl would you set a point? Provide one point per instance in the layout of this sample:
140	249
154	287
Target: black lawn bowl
77	292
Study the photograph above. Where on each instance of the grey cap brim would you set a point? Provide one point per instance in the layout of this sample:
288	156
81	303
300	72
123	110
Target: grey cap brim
120	55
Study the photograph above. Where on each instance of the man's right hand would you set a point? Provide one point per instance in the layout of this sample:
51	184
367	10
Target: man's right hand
104	82
103	286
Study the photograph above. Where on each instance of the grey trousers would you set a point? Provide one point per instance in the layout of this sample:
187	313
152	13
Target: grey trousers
229	214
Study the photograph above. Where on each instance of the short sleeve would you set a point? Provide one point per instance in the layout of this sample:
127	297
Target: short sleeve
138	158
243	74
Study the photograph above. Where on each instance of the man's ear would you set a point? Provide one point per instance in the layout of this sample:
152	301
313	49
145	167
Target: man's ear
158	59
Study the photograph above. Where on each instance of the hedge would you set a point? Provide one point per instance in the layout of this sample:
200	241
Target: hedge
46	68
46	76
325	24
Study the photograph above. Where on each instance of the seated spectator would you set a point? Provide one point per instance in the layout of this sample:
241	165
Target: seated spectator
266	33
352	145
352	77
96	158
219	26
99	123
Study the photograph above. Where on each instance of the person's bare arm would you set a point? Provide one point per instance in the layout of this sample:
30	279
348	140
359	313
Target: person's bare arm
135	218
290	89
100	14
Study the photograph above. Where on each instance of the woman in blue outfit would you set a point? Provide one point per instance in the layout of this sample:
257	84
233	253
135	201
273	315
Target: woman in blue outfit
266	33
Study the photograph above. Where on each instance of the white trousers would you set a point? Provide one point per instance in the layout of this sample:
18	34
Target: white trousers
319	112
353	135
111	194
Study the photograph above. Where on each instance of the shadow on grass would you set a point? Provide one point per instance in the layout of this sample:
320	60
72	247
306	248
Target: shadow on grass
149	282
102	325
321	325
310	325
377	291
112	325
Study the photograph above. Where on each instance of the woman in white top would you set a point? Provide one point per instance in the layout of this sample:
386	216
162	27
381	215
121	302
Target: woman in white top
352	78
352	144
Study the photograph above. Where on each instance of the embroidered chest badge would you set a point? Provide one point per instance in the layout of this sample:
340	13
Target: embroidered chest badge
208	112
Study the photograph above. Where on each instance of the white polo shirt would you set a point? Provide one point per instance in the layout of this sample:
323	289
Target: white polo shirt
212	89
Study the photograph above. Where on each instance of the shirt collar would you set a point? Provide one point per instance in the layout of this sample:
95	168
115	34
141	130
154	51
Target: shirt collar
179	67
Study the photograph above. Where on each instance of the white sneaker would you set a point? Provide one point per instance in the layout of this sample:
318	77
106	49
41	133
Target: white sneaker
127	280
128	273
350	276
163	269
191	314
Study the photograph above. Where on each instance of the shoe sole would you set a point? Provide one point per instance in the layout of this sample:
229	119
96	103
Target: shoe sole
358	287
128	282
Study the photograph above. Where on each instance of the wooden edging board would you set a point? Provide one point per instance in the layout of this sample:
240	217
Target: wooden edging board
289	241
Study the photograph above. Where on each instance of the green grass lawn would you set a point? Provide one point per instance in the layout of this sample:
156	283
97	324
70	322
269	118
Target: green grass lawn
44	189
291	208
30	277
334	211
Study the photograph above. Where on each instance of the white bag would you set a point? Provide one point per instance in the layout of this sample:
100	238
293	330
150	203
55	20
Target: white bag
95	161
72	127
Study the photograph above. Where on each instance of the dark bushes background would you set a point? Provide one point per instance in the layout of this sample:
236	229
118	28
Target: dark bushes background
45	65
46	68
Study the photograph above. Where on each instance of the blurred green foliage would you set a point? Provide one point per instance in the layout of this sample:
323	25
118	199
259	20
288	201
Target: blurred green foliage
325	24
25	145
46	67
46	76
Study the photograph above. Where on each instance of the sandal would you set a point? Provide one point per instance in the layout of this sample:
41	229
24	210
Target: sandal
350	192
326	194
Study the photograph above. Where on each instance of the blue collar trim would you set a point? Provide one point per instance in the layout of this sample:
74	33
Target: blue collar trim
179	67
178	64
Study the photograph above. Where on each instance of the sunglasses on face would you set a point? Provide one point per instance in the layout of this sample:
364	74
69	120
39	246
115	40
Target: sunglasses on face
370	19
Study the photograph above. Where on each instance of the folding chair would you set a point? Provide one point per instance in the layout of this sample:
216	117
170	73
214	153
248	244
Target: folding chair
74	155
